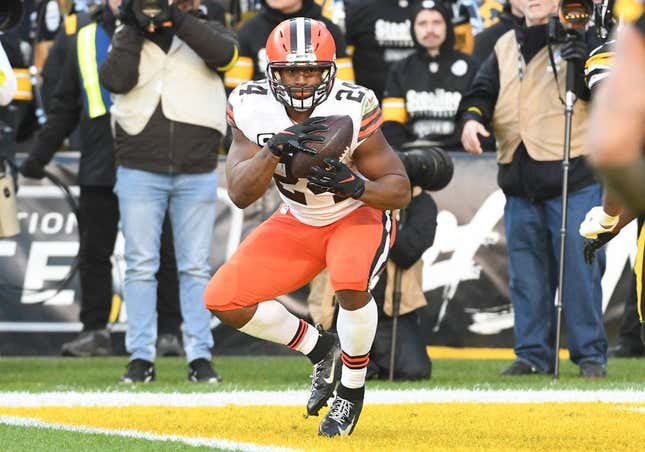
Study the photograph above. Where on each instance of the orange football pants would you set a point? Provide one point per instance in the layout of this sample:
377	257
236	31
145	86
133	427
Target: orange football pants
283	254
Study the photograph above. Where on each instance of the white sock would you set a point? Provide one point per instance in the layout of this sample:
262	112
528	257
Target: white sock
356	331
273	322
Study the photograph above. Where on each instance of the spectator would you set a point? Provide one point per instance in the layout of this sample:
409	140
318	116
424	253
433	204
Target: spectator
510	17
253	35
423	91
522	102
169	117
378	34
74	103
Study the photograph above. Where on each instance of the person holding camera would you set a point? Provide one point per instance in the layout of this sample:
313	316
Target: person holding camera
80	100
518	90
164	70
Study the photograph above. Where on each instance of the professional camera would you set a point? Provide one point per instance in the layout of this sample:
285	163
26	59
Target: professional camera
151	12
10	14
430	168
573	16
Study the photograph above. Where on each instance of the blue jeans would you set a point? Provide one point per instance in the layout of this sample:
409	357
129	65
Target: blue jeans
533	241
143	200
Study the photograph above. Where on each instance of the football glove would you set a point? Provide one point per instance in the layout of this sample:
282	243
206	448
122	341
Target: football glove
597	222
337	178
294	138
593	245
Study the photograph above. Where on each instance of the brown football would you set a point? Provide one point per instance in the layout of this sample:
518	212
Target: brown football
338	138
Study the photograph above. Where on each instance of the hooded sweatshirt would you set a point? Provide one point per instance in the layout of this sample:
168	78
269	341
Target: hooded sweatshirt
423	92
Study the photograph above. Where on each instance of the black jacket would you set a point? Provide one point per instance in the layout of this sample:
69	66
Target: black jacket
380	32
254	33
166	146
486	39
432	88
524	176
66	111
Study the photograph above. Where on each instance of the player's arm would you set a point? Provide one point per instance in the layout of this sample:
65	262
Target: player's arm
249	169
616	134
388	186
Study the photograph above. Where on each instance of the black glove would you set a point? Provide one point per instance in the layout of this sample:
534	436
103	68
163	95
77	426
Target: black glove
336	178
593	245
574	50
293	138
32	168
126	14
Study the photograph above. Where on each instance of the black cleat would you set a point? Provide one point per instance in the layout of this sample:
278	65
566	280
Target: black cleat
341	418
139	371
326	374
201	370
89	343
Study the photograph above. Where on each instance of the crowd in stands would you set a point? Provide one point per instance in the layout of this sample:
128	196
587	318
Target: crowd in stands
150	140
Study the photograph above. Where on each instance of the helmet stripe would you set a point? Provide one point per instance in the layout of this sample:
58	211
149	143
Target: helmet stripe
308	43
300	49
293	36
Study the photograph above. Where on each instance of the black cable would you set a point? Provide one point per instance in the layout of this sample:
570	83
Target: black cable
75	263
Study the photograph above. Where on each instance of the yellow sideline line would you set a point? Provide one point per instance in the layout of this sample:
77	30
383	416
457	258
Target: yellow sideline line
477	353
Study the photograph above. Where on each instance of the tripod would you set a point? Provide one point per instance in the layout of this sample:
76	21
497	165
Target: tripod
569	102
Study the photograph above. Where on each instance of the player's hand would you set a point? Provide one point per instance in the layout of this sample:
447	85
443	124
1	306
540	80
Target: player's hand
32	169
294	138
337	178
591	246
597	222
470	138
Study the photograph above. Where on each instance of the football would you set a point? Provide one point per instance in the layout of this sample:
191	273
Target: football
338	138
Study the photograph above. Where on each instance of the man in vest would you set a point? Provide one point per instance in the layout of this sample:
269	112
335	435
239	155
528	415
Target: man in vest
81	100
518	92
169	118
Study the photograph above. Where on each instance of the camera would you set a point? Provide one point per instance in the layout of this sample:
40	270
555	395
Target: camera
151	12
572	15
10	14
429	168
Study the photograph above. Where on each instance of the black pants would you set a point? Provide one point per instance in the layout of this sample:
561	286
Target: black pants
98	227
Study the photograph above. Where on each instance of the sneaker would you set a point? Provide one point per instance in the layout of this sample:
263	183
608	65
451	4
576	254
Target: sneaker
139	371
89	343
592	370
169	345
326	374
342	418
519	368
623	350
201	370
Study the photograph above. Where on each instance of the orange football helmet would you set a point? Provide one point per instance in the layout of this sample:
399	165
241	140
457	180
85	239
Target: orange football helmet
301	42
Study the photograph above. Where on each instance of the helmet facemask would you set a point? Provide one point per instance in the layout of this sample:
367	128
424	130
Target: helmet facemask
301	98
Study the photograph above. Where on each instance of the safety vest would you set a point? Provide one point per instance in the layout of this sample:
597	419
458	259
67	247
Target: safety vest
92	48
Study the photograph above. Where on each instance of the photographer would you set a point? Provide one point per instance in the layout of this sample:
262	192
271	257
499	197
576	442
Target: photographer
518	90
164	69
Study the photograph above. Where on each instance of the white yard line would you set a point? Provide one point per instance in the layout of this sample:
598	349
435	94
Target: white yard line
207	442
299	397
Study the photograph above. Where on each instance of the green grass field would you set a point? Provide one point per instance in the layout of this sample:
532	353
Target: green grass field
36	375
283	373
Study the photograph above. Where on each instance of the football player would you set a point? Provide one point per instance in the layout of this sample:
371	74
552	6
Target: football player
339	217
617	136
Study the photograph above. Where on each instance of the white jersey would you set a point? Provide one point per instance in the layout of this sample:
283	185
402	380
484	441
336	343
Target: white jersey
258	115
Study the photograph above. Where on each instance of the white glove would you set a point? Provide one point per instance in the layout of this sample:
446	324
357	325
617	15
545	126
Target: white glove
596	222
